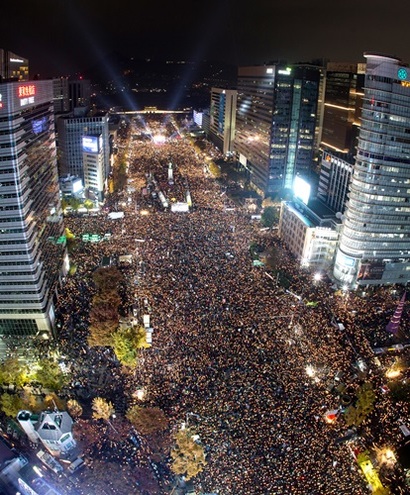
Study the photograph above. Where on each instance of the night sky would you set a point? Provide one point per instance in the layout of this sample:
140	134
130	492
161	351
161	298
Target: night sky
61	37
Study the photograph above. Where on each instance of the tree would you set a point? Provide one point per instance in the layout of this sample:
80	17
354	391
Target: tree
75	203
102	409
49	375
11	404
74	408
105	306
64	204
356	414
70	239
269	216
107	279
101	333
147	420
13	373
33	403
188	457
88	204
52	401
126	342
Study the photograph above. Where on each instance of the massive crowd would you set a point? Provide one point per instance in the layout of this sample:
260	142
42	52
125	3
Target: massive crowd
240	359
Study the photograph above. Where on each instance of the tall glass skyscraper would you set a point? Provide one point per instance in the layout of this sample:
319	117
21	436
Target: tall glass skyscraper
276	123
375	240
32	246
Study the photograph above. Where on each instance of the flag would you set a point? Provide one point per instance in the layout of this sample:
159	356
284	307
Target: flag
393	325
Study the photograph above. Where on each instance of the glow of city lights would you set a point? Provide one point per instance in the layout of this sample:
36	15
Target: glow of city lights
140	394
386	456
159	139
310	371
393	373
37	470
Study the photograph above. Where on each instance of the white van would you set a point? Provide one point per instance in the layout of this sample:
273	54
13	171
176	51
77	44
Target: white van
75	465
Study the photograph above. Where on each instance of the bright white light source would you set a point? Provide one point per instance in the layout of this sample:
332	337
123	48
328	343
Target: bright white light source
310	371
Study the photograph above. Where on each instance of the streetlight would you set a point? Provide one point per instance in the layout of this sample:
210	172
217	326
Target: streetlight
317	277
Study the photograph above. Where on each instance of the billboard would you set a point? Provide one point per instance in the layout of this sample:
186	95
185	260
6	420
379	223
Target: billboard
90	144
371	271
301	189
77	185
39	125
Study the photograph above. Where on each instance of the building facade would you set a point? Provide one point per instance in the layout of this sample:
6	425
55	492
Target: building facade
70	94
334	180
375	240
71	131
310	232
52	428
94	170
13	66
276	123
342	107
341	112
32	249
222	118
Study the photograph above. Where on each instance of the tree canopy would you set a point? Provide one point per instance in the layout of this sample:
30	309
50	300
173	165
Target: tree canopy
11	404
357	413
49	375
126	342
188	457
147	420
102	409
12	372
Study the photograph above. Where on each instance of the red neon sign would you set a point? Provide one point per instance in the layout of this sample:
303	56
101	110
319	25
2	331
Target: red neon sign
26	90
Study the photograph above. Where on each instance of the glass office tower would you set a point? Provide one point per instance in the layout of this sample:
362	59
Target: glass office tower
32	247
375	241
276	123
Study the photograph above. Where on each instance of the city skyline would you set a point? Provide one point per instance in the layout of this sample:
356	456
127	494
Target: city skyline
64	38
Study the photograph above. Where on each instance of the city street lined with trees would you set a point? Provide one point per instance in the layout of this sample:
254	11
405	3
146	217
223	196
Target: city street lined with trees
245	387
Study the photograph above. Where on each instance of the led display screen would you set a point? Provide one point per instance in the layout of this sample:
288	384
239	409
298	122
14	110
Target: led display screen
90	144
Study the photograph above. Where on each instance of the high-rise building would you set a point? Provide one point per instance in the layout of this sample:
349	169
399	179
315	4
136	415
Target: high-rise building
222	118
340	127
32	246
94	170
13	66
276	123
374	246
342	107
71	131
334	180
70	94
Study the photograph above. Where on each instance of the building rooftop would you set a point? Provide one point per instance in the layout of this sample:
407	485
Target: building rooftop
53	424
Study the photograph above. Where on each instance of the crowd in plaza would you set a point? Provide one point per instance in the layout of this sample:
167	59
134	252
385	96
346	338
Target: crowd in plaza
237	357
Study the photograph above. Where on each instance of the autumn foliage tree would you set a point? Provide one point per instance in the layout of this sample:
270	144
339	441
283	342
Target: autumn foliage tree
102	409
11	404
104	307
126	342
12	372
50	375
188	457
147	420
357	413
74	408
